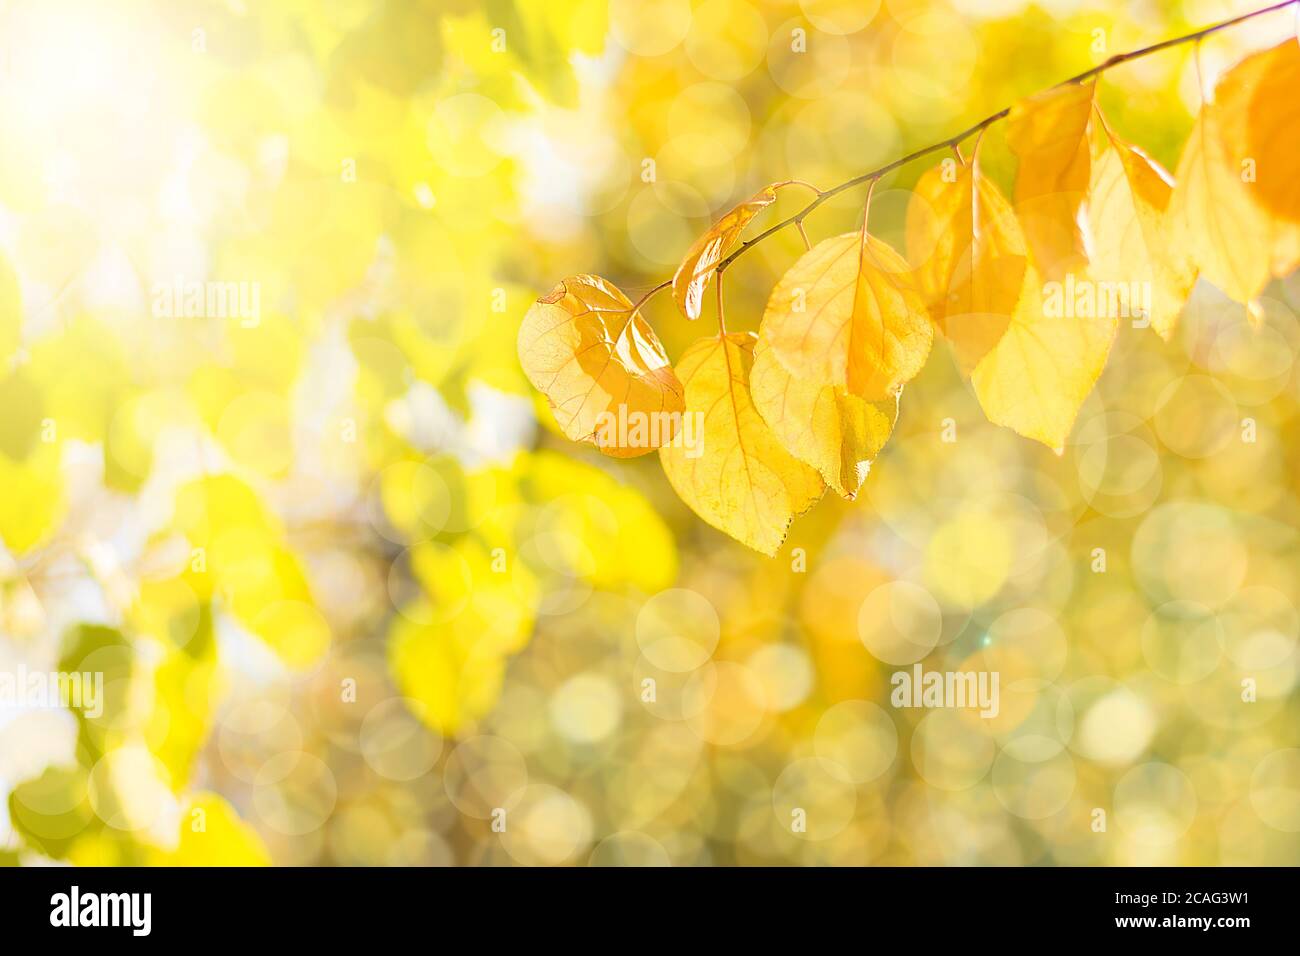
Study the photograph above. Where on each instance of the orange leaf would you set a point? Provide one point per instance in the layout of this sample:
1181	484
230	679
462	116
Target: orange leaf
1048	133
970	256
848	314
601	367
1272	119
700	261
1220	218
836	433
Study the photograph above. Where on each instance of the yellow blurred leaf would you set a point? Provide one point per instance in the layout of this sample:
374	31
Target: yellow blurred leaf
847	314
211	834
737	476
622	538
444	668
240	557
82	370
183	689
600	365
33	501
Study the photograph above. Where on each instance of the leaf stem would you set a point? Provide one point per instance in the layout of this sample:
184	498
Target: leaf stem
953	142
803	233
799	182
722	322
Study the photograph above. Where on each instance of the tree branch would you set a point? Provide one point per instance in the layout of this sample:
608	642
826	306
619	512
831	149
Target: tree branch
954	142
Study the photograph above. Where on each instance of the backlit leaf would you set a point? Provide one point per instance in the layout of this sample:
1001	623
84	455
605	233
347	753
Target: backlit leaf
700	261
1048	133
1127	210
970	257
739	478
1037	377
599	363
1271	119
1218	218
848	314
837	433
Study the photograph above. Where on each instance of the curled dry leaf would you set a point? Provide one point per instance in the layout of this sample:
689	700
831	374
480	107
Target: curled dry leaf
969	252
1048	133
837	433
848	314
1037	377
736	474
601	367
700	261
1219	219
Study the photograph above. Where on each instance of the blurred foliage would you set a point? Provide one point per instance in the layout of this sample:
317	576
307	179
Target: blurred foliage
352	595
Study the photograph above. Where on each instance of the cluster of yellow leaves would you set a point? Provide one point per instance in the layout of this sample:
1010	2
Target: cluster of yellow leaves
1235	211
809	400
569	528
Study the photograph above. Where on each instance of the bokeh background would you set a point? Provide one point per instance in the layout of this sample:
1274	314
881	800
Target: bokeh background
350	591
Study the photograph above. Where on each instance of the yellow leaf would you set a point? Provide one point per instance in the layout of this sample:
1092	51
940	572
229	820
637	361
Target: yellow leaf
970	257
738	477
185	678
1048	133
693	275
1127	208
211	834
456	679
848	314
621	536
1272	119
836	433
246	562
1219	221
34	502
601	367
1037	377
82	369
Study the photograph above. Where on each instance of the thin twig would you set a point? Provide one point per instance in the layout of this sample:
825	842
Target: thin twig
642	301
954	142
